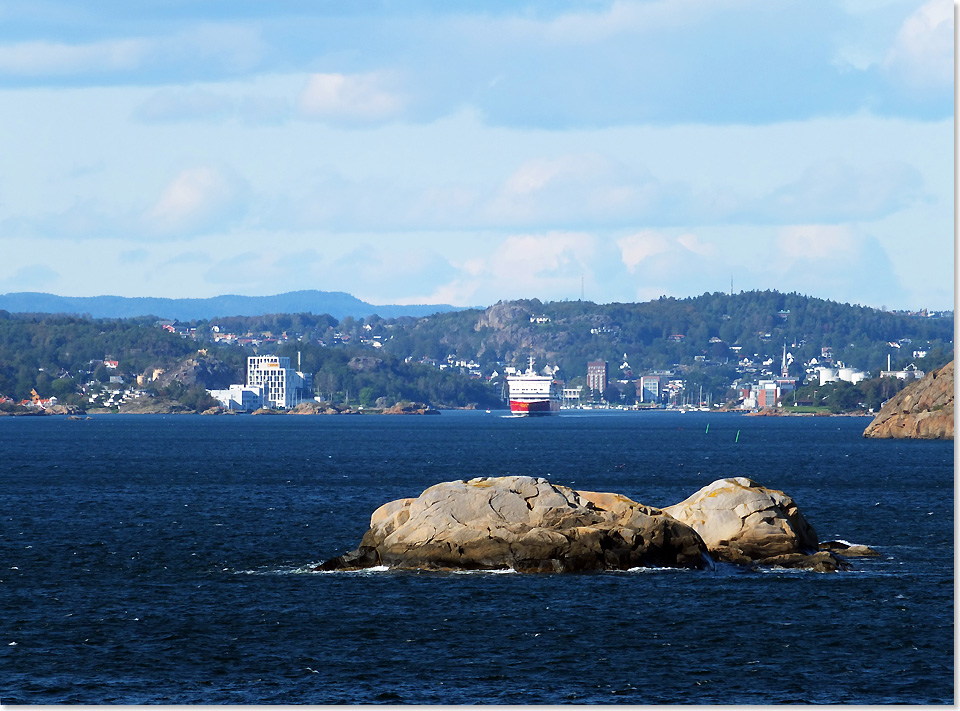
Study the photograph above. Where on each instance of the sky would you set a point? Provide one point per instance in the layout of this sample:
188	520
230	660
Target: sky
428	151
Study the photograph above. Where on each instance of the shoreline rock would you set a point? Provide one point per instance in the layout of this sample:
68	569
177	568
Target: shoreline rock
410	408
922	410
155	406
848	550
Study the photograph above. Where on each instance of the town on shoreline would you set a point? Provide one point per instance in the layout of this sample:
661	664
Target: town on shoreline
755	352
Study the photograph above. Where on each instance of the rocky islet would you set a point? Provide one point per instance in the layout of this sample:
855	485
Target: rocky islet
529	525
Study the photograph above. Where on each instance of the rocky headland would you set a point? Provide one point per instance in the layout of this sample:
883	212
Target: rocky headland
922	410
155	406
70	410
326	408
530	525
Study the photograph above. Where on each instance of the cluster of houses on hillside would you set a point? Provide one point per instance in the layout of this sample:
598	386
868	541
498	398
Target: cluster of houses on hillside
760	386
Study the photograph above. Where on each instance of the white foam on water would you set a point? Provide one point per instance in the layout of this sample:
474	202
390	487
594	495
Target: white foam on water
652	569
289	570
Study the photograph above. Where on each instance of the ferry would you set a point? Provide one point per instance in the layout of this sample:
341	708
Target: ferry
533	394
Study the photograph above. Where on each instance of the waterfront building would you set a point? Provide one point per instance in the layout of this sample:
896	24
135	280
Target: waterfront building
849	375
597	376
651	388
239	397
282	386
910	371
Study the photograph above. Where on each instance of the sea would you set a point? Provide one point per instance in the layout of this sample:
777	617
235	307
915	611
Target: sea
154	559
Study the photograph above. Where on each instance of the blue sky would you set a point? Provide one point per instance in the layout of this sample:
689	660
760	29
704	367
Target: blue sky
467	152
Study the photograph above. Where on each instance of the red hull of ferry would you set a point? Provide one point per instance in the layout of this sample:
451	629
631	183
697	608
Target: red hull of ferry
539	407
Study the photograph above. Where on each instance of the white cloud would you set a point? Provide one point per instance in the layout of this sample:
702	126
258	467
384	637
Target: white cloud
58	58
539	257
834	190
692	243
637	247
818	242
196	199
623	18
922	54
544	266
363	98
535	175
574	189
226	47
835	262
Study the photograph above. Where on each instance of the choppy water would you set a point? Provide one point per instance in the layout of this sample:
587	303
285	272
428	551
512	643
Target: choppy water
165	559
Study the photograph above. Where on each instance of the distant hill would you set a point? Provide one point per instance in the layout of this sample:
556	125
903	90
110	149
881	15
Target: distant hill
668	333
335	303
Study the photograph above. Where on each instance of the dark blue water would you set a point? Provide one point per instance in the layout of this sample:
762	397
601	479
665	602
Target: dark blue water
156	559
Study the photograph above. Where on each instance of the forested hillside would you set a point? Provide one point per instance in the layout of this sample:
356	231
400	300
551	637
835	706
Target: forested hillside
447	359
70	358
54	354
670	332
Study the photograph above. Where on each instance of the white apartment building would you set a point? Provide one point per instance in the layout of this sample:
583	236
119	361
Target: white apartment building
282	386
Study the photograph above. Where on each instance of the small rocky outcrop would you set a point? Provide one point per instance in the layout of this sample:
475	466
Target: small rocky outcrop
502	315
922	410
524	523
154	406
743	522
72	410
848	550
201	369
410	408
360	364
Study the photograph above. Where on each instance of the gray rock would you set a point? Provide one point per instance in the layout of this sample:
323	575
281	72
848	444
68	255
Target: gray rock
821	562
848	550
741	521
524	523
